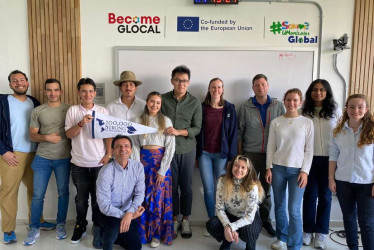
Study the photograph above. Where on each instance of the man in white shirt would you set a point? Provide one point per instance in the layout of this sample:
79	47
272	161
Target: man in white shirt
88	155
128	106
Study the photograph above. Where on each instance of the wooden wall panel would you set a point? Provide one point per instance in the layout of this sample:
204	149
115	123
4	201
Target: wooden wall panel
363	51
54	44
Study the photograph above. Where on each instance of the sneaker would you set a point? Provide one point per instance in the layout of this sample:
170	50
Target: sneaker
97	241
278	244
154	243
79	233
307	239
205	232
60	232
268	228
10	237
186	229
177	226
46	226
320	241
31	236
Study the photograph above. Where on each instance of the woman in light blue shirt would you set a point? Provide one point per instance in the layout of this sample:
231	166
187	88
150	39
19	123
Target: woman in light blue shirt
351	170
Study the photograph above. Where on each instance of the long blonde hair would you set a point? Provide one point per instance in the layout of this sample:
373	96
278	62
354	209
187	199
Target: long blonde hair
367	133
144	118
249	181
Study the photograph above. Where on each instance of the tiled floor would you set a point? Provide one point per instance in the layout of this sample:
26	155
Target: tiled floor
47	241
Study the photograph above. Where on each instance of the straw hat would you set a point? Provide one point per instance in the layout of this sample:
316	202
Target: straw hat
127	76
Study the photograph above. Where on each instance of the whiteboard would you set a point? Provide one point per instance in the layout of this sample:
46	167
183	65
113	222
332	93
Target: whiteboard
285	69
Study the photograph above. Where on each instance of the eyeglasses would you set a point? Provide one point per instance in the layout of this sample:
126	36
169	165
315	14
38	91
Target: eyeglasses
181	81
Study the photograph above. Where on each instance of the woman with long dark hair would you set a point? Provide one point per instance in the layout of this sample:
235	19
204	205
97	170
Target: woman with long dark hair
217	142
320	107
155	151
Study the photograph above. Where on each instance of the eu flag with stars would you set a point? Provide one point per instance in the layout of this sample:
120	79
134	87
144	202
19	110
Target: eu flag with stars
188	23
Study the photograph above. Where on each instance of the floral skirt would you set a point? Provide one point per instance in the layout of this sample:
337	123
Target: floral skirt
157	219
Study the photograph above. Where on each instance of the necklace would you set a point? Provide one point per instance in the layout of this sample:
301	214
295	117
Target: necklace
289	120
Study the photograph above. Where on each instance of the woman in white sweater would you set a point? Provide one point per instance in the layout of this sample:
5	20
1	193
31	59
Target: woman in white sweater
238	194
320	107
288	161
155	151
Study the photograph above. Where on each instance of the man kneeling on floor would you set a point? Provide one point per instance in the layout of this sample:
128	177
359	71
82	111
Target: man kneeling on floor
120	193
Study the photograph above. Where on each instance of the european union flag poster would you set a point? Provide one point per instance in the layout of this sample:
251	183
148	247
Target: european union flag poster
188	24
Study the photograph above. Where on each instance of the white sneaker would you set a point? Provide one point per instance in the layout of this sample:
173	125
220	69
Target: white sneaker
307	238
205	232
186	229
320	241
177	226
278	244
154	243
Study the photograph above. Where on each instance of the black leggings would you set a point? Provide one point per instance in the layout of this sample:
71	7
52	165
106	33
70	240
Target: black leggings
249	234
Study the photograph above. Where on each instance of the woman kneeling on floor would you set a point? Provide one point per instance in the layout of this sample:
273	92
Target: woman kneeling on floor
239	193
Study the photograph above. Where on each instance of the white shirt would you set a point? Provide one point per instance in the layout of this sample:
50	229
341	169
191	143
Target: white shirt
290	143
354	164
323	131
118	109
157	139
85	151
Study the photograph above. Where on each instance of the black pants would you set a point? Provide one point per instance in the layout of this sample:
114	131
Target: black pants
259	163
356	202
128	240
182	167
249	234
84	180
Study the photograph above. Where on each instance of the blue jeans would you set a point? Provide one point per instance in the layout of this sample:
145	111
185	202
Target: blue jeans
316	217
287	231
43	168
211	167
356	201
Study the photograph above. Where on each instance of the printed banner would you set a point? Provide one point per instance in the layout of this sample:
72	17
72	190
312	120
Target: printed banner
105	126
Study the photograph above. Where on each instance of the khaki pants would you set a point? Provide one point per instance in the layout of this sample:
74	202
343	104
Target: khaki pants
11	178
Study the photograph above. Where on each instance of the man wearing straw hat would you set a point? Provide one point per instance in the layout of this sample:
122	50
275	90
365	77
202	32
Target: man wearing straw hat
128	106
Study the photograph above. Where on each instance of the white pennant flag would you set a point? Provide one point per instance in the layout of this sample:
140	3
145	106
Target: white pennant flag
105	126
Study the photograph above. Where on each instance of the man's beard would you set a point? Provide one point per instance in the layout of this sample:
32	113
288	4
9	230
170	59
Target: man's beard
19	92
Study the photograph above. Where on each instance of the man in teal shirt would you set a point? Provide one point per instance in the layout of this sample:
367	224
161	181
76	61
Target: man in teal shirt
184	110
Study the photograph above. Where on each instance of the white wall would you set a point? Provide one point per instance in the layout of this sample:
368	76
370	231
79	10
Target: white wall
99	38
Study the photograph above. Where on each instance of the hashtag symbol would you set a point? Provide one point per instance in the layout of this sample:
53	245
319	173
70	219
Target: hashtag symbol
276	27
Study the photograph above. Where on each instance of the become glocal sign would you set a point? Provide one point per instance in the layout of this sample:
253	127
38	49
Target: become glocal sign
135	24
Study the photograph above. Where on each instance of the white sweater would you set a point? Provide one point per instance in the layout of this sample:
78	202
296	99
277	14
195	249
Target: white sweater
323	131
290	143
156	139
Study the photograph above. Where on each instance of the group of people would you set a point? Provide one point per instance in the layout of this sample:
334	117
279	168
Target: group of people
141	186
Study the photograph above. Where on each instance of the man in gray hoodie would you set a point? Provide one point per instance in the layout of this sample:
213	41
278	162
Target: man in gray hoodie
254	119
